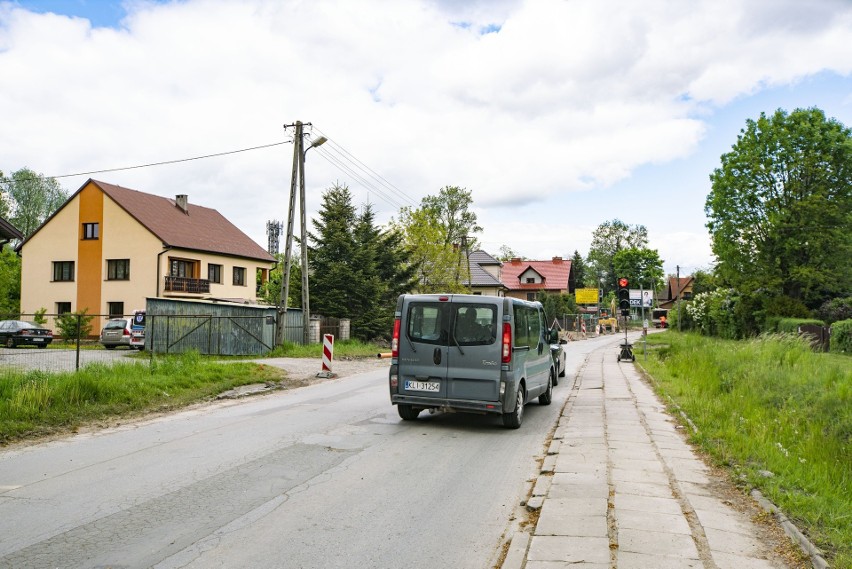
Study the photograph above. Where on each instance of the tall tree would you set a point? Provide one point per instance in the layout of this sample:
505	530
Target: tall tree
452	208
642	267
10	283
435	259
30	198
506	253
582	277
608	239
780	208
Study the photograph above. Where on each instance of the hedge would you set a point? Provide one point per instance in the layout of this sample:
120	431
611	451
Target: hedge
841	337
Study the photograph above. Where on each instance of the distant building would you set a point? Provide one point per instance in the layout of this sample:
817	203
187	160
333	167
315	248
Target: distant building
485	273
526	279
676	289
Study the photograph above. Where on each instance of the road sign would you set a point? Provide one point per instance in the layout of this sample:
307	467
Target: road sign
586	295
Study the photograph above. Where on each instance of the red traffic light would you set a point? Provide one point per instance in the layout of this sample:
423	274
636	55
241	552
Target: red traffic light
622	282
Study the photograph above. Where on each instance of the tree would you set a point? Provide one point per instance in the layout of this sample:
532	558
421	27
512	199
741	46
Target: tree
10	284
434	259
582	277
452	209
608	239
642	267
780	208
357	270
29	199
270	291
506	253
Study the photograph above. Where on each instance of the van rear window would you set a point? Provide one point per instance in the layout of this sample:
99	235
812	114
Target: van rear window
426	321
475	324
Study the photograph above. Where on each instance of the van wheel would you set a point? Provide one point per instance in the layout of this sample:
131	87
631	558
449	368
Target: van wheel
407	412
546	397
513	420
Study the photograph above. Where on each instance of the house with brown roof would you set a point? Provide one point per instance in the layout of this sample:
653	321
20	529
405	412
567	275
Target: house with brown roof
676	288
108	248
526	279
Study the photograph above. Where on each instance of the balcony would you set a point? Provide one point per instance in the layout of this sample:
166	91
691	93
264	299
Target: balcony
191	286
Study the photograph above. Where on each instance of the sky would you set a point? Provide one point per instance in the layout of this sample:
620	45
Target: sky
557	115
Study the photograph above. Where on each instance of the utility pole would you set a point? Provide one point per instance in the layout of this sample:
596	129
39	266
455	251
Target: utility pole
299	152
678	297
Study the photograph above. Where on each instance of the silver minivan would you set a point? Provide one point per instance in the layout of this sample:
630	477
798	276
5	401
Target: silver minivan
470	353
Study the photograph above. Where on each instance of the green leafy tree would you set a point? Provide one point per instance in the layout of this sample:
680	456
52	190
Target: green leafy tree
29	199
10	283
435	259
608	239
270	291
507	254
780	208
642	267
451	208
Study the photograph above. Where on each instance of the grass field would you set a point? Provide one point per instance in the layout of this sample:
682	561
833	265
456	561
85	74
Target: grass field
775	413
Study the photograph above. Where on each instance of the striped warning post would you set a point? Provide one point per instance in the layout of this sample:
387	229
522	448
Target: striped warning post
327	352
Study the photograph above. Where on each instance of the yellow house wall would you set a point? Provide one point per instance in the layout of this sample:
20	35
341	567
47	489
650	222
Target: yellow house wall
227	289
56	241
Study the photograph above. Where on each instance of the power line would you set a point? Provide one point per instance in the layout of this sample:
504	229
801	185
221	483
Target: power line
165	162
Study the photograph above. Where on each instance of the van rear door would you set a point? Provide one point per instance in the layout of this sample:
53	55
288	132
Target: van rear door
423	347
474	350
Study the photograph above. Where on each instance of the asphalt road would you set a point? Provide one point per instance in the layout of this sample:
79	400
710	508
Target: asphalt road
322	476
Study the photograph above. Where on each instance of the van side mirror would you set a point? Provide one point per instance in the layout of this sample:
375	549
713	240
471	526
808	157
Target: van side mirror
553	336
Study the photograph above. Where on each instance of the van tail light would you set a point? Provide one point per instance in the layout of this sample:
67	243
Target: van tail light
395	341
507	343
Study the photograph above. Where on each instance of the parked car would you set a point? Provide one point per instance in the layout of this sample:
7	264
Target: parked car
117	333
14	333
558	354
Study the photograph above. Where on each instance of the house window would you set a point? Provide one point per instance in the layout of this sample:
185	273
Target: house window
118	269
90	231
63	307
530	280
115	309
531	296
182	268
214	273
239	276
63	271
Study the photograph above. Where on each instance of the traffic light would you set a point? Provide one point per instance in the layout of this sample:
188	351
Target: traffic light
624	296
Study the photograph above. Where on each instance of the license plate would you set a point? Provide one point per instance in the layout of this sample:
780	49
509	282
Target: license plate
38	339
431	386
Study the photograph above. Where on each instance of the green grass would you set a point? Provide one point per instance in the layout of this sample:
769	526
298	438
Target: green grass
39	403
770	405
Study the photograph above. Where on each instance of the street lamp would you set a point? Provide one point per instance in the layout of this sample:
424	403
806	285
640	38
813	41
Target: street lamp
299	153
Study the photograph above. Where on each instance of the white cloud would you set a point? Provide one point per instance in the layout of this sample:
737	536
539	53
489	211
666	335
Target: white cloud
563	96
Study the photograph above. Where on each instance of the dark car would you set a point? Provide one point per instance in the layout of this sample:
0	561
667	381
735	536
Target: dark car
14	333
558	357
117	332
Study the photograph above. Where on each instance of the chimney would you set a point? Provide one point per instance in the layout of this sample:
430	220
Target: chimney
182	201
516	260
557	260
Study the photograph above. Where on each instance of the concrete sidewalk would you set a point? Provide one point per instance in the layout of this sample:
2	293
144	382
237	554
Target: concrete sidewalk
620	488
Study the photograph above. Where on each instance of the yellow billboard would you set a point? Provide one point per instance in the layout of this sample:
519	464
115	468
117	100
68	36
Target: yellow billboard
586	295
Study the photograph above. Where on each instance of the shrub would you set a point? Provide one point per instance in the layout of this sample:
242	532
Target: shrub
835	310
74	324
841	337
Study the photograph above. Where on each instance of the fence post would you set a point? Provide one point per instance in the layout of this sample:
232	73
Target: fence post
79	331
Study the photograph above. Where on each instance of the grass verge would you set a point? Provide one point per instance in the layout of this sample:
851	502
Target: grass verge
775	413
38	403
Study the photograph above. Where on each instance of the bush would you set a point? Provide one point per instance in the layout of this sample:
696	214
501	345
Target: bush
835	310
791	325
841	337
74	324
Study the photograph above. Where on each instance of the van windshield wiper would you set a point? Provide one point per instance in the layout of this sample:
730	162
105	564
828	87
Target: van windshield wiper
410	343
453	336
